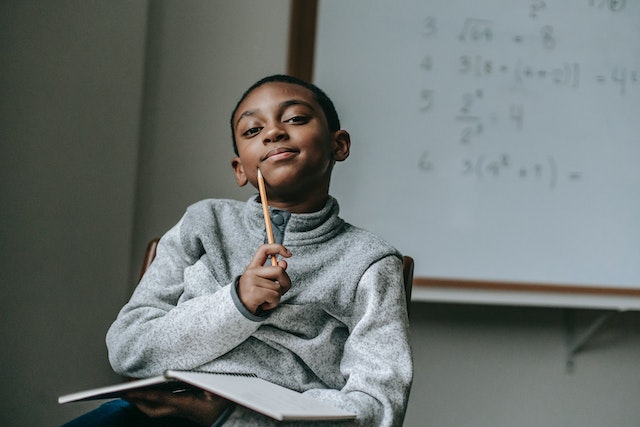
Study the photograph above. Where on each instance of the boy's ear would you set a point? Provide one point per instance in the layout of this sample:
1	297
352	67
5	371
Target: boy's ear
342	145
238	171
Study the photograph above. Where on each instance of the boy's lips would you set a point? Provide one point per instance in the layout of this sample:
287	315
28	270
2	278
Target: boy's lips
278	152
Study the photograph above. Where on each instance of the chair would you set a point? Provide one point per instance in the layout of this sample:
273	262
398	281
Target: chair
149	255
407	268
407	274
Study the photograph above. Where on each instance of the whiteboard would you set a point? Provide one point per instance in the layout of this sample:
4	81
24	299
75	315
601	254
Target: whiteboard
493	141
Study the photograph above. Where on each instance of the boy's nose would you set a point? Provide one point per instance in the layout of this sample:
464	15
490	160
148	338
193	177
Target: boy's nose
274	134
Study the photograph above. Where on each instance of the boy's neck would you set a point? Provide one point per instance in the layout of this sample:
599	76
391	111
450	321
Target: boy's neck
307	205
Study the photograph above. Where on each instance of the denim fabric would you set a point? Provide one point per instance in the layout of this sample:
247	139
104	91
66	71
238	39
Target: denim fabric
119	413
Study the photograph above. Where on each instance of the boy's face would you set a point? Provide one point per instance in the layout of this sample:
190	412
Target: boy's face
281	129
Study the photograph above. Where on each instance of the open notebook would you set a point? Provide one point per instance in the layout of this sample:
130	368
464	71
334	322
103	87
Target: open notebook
247	390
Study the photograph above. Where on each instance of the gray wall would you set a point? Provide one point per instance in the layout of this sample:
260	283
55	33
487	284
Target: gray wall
104	142
201	56
70	97
113	118
492	366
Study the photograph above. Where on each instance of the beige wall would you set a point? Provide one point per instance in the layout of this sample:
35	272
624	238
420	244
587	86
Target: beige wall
113	118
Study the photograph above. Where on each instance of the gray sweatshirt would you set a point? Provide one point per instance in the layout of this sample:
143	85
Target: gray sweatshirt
340	334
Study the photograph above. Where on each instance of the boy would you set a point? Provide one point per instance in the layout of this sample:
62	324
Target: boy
328	320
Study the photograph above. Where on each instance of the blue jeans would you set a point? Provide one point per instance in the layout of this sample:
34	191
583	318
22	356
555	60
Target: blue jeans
119	413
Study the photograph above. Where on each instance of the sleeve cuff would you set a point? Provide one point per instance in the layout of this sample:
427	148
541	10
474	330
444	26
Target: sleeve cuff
240	306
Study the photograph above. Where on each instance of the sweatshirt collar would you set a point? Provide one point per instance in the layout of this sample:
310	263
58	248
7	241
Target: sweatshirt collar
300	228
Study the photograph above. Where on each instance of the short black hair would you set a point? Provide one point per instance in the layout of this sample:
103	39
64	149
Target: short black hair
323	100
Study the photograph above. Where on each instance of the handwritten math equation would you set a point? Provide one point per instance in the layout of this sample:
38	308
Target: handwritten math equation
482	71
502	167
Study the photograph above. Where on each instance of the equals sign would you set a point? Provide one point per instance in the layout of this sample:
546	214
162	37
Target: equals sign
575	176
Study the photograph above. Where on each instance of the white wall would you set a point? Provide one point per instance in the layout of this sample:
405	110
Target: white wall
76	106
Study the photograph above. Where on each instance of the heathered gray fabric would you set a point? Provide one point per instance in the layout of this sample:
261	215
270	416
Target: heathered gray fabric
340	334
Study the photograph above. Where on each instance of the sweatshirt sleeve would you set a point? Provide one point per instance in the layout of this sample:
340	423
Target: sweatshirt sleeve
377	359
160	329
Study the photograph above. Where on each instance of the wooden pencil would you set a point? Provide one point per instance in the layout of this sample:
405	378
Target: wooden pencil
265	212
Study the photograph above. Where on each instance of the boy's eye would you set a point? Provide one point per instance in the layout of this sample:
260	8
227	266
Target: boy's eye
297	120
251	131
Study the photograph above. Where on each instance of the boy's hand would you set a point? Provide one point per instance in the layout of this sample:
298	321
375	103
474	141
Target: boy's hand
202	408
261	286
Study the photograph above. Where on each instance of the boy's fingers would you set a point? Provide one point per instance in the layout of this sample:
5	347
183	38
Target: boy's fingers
261	298
264	292
284	281
265	251
262	285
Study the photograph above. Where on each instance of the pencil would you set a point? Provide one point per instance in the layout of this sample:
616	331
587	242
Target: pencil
265	212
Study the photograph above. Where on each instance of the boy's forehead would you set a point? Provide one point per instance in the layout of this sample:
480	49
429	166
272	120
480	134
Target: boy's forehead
275	93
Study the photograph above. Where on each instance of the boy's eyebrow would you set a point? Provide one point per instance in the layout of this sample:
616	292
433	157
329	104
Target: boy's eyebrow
247	113
283	104
291	102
